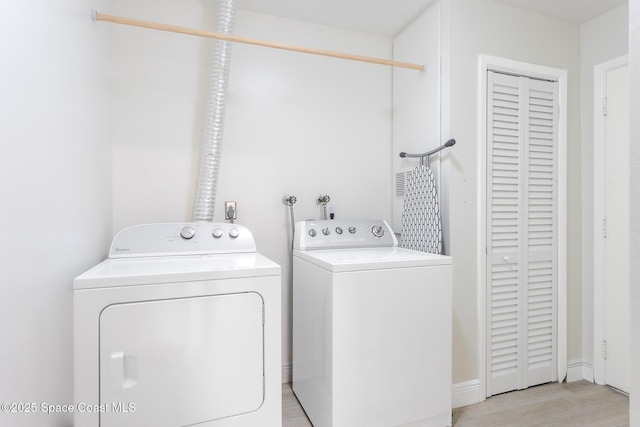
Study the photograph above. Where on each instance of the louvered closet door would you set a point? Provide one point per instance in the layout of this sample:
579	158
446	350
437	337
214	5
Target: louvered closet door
521	232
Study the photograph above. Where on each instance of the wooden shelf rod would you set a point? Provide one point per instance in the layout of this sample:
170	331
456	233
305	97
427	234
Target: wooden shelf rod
232	38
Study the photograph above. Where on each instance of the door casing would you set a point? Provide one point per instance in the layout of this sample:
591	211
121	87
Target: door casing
599	172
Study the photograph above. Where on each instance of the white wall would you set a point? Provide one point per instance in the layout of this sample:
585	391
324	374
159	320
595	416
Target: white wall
55	189
603	38
296	124
487	27
159	87
634	63
416	99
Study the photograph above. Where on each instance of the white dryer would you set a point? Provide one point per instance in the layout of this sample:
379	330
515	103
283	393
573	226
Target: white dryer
179	326
371	327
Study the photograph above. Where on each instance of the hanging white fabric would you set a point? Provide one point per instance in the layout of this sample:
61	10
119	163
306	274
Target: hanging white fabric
421	226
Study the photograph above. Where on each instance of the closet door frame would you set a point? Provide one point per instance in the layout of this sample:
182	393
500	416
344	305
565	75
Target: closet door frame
486	64
599	191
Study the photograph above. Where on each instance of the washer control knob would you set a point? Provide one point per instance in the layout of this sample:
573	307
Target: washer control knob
377	230
187	232
312	233
339	230
352	230
326	231
233	233
217	232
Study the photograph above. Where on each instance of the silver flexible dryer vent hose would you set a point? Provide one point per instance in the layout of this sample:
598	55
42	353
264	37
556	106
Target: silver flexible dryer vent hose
216	107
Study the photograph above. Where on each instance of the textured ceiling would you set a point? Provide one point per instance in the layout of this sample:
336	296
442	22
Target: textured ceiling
389	17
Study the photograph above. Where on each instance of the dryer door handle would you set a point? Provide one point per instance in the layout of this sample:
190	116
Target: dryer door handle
124	371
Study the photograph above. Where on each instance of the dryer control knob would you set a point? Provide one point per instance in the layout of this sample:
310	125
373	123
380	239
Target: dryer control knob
312	233
377	230
339	230
326	231
217	233
352	230
187	232
233	233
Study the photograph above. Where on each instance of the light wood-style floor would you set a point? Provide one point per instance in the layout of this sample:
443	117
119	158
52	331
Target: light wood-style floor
577	403
292	413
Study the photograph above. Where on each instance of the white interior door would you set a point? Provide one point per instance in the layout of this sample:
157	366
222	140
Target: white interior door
616	231
522	223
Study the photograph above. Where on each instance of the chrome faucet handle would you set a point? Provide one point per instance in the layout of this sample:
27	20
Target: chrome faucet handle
289	200
323	200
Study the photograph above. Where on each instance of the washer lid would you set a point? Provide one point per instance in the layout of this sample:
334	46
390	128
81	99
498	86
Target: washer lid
187	268
337	260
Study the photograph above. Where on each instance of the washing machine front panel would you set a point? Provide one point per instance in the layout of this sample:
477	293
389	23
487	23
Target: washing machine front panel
181	361
391	342
368	346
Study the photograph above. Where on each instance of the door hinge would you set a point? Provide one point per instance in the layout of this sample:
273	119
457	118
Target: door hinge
604	349
604	228
604	106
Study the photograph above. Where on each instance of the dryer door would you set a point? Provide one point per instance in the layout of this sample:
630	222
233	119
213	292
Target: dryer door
181	361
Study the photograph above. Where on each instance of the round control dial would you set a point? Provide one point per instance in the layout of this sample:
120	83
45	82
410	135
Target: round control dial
313	232
217	233
326	231
339	230
352	230
377	230
187	232
233	233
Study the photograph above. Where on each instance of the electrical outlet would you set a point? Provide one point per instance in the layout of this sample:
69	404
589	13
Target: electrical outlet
230	212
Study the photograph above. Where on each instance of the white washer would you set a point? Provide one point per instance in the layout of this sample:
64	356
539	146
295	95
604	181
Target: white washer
180	326
371	327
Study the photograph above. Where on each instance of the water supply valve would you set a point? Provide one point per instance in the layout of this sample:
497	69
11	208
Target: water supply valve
323	200
289	200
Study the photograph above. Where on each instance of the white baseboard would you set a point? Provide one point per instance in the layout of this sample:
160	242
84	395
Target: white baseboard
466	393
462	394
579	370
286	374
